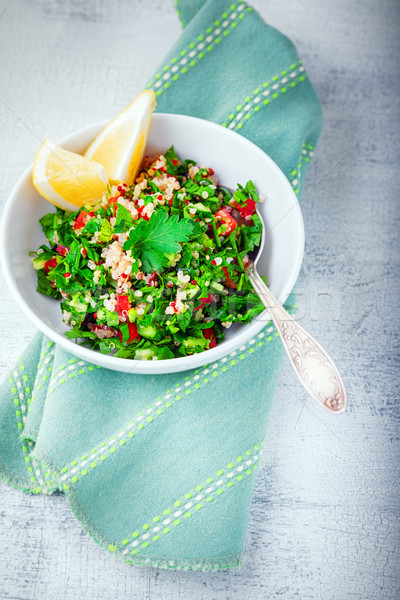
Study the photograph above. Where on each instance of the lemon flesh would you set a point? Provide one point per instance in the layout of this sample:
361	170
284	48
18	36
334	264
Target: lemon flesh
120	146
66	179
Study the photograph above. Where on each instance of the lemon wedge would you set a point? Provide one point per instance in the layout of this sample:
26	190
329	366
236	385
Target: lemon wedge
120	146
66	179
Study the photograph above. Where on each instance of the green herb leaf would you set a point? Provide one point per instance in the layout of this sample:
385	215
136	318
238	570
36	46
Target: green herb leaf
165	353
73	257
171	160
79	333
251	191
124	219
51	223
125	332
44	286
251	235
184	319
154	187
92	226
152	239
105	231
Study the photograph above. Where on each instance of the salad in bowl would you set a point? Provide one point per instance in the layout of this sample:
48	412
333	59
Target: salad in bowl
141	264
154	270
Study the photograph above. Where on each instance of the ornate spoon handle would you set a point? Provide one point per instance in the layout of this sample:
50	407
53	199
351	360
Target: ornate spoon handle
314	368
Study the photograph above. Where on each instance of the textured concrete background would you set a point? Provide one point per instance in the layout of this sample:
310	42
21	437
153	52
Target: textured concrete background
325	516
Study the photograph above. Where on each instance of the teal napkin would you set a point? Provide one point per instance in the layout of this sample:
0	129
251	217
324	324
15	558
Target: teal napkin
160	470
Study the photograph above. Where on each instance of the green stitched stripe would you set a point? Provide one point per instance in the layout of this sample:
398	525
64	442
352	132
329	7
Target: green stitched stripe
41	473
66	372
265	94
200	48
171	398
178	12
263	90
295	174
20	404
200	38
193	501
45	368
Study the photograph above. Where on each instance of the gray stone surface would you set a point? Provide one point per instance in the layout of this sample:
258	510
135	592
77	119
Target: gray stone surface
325	517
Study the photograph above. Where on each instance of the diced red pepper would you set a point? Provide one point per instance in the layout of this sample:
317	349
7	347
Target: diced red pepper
123	305
174	161
113	203
228	281
82	219
210	335
133	333
247	210
140	211
173	305
50	264
230	222
204	301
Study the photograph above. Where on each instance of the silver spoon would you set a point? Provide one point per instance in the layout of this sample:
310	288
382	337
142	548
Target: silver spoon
313	366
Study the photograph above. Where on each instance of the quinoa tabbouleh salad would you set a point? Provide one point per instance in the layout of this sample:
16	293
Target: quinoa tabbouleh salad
155	270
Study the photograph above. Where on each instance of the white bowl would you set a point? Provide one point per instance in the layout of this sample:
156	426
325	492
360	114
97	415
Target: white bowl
234	160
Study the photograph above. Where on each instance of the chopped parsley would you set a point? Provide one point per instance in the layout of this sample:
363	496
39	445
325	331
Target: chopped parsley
152	240
155	270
